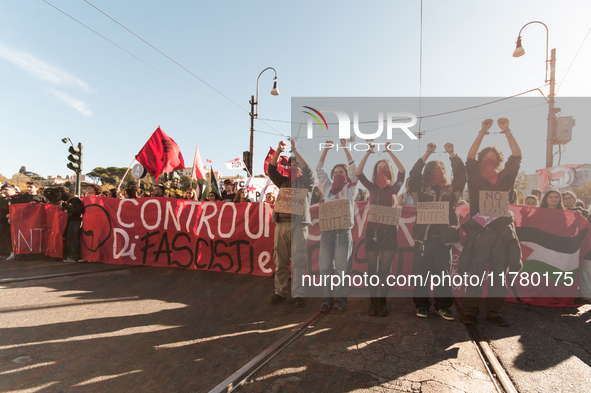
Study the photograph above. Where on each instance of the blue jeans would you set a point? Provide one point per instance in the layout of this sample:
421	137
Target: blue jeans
336	248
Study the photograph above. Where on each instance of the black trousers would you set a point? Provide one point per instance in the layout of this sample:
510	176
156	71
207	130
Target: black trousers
73	239
491	253
433	259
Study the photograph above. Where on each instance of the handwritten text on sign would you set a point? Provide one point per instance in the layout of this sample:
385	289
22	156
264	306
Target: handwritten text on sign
291	200
334	215
494	203
383	214
433	213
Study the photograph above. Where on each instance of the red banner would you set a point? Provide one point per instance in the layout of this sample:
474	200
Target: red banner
37	229
232	237
238	238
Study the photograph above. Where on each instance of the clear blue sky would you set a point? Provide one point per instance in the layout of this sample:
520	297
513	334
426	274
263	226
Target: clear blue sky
60	79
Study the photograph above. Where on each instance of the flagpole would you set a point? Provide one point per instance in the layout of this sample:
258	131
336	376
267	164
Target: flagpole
123	178
249	174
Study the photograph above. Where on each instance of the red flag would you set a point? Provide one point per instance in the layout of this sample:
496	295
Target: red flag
198	173
160	154
560	177
282	167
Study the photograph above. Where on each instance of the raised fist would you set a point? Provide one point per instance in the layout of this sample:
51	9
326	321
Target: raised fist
448	147
503	123
282	146
431	147
486	125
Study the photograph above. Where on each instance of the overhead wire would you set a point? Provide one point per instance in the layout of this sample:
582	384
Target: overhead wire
419	134
574	58
175	62
143	61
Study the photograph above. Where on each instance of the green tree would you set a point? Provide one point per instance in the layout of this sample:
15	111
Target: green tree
20	180
110	176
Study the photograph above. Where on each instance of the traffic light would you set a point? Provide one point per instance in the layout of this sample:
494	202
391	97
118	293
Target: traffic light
75	158
247	161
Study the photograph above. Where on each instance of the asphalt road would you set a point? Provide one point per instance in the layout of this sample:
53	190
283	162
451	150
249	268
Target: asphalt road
172	330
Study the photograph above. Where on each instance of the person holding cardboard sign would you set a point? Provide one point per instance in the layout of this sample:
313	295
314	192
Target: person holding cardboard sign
491	241
380	237
336	245
428	182
291	230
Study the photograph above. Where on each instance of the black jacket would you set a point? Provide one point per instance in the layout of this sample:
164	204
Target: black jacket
448	234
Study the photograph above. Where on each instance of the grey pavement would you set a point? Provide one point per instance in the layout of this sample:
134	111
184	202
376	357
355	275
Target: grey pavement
172	330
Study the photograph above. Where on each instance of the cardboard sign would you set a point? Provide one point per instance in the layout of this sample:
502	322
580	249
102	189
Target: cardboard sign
291	200
433	213
494	203
383	214
334	215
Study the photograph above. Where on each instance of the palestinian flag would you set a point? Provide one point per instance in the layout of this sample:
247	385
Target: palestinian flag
553	244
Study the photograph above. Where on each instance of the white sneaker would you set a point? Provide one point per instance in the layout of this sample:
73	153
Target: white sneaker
11	257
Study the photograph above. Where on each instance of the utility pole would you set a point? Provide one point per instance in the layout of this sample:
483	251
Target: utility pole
253	115
551	112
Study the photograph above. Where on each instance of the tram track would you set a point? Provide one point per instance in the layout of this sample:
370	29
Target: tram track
500	379
495	370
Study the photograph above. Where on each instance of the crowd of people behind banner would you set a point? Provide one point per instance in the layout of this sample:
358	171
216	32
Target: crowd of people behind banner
491	243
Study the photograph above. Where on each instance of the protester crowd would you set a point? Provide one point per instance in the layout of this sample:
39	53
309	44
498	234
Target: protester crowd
491	244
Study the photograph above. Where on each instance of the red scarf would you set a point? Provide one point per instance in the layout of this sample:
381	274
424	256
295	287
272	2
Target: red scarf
295	173
488	171
339	182
383	178
438	179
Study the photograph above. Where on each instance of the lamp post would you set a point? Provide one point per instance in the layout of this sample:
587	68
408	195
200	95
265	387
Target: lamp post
254	114
519	51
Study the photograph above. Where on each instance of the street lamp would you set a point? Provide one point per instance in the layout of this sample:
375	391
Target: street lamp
519	51
254	114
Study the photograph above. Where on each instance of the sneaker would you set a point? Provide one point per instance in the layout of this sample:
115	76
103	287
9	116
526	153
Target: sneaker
325	307
423	312
276	299
70	260
469	319
338	309
499	321
446	314
11	257
298	302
